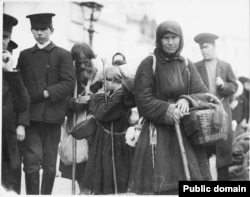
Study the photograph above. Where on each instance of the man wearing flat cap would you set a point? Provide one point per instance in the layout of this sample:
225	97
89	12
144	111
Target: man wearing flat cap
221	81
49	76
15	100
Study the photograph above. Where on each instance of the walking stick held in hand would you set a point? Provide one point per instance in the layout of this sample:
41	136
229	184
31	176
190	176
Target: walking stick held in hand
111	133
183	152
74	149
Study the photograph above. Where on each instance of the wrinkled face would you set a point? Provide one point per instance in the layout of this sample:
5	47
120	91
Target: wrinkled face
42	35
170	43
84	69
6	39
208	51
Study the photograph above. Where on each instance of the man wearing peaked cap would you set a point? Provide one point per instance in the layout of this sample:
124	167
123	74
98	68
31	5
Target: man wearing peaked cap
221	81
40	21
49	76
15	100
203	38
8	23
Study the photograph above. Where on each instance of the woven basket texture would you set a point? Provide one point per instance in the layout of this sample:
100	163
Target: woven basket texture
207	135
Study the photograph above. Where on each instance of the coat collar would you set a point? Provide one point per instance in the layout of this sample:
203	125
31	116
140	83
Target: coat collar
164	60
47	48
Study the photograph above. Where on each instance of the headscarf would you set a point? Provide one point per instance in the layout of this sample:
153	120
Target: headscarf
162	29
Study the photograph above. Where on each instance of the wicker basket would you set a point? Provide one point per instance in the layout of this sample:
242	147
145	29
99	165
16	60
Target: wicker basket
207	135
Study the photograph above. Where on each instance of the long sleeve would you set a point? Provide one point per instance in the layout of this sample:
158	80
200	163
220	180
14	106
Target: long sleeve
148	105
66	84
109	111
230	84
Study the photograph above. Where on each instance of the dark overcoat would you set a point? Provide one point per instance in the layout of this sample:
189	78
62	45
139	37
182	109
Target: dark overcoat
160	168
223	70
52	69
15	100
98	176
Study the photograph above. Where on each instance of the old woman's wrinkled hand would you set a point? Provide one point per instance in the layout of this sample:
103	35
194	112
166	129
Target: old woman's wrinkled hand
183	105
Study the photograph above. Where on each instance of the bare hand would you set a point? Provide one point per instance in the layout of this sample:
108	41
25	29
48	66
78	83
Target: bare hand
178	114
219	82
20	131
183	105
7	61
83	99
46	94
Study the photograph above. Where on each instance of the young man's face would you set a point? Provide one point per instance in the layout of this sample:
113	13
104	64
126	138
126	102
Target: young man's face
208	51
42	35
6	39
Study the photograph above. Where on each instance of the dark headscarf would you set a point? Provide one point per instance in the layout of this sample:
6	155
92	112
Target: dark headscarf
162	29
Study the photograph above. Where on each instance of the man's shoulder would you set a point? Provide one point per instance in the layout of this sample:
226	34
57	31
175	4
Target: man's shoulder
28	50
199	63
223	63
61	50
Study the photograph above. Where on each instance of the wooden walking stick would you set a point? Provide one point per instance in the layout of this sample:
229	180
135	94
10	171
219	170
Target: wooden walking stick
183	152
74	149
111	133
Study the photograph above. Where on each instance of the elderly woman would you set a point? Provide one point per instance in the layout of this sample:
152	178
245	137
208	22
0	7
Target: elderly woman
157	165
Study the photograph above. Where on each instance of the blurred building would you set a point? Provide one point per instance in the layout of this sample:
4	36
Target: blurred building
128	26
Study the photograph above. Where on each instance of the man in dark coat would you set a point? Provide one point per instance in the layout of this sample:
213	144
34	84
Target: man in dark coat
15	100
48	74
221	81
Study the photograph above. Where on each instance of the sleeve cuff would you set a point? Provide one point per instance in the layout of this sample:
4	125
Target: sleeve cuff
169	114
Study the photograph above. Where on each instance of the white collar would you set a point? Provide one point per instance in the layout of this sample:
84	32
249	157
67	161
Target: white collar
41	46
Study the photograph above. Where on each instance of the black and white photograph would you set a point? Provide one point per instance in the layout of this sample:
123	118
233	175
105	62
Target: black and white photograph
124	97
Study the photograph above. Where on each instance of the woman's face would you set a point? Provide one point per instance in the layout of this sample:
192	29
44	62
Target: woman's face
170	43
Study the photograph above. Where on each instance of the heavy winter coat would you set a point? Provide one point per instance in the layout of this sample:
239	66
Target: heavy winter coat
98	176
159	168
48	69
15	100
223	70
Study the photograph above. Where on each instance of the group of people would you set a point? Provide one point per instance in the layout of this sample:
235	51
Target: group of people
37	96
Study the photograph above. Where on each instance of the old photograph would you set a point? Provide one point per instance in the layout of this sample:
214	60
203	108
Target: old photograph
125	97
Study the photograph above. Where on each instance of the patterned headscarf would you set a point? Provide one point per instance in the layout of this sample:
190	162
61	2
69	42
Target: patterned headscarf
162	29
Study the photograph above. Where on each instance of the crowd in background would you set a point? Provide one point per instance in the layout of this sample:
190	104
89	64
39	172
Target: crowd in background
41	93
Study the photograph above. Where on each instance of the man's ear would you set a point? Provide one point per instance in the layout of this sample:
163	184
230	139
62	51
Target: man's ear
52	30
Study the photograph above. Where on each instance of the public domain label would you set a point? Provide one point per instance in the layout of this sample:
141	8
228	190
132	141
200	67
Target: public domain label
187	188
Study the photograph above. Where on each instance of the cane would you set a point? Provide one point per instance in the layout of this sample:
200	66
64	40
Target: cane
111	134
183	152
74	149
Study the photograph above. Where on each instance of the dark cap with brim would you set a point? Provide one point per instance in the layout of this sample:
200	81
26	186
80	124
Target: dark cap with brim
41	21
203	38
8	23
11	46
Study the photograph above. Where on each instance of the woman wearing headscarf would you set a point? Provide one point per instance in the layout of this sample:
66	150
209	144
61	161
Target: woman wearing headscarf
157	166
